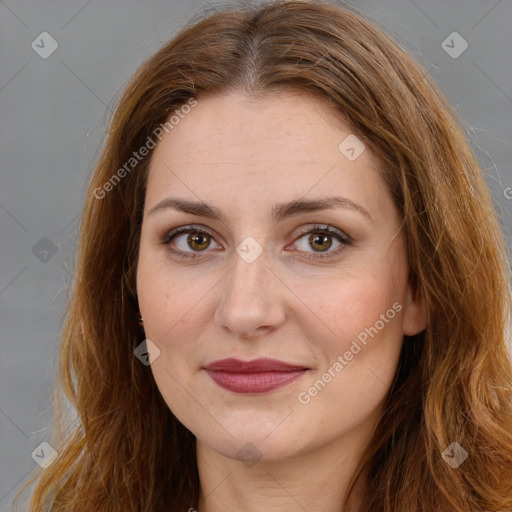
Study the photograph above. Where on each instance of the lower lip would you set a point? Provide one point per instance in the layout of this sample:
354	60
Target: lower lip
254	382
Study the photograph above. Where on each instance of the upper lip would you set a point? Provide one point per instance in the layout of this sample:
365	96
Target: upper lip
232	365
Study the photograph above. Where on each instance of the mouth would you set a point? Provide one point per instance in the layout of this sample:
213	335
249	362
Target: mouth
257	376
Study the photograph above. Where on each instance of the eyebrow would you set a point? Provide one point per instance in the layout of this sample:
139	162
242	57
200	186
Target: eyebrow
279	212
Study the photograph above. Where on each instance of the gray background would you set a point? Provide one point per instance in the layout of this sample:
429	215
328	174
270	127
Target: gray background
53	115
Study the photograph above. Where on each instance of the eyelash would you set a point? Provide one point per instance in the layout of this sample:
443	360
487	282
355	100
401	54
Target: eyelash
340	236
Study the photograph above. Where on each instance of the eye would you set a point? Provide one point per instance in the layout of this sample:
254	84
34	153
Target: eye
188	241
325	242
322	241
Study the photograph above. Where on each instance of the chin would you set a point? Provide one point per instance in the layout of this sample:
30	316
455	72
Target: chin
251	445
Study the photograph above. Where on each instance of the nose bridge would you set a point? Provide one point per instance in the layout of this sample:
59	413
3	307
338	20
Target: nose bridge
246	281
249	298
250	267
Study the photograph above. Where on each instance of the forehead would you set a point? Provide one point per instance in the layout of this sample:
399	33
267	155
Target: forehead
282	144
236	125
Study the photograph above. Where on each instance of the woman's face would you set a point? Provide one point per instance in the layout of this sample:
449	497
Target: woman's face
288	249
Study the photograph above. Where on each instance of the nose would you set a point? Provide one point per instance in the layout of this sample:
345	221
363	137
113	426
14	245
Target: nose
251	302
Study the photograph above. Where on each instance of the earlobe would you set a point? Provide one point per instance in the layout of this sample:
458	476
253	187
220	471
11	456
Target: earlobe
415	311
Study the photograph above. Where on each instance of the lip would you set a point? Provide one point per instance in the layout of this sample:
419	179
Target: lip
256	376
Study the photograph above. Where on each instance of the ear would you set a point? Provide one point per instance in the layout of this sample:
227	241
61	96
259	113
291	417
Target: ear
415	311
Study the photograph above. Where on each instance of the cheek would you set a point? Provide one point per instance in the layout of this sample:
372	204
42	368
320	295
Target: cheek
345	307
167	299
359	340
357	350
171	307
365	286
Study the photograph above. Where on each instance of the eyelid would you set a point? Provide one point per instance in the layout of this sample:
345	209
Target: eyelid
339	235
343	238
327	228
171	234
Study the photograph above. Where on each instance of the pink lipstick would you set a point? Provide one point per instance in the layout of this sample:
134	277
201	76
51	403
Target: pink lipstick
257	376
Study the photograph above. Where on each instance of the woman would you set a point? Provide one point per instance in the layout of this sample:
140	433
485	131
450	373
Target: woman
291	289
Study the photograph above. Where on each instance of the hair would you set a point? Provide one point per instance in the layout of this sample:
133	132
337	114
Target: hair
124	450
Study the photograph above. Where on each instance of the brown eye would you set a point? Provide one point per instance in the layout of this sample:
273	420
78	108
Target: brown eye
189	242
198	241
320	241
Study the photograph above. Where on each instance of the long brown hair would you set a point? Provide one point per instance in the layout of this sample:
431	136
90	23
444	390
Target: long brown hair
125	450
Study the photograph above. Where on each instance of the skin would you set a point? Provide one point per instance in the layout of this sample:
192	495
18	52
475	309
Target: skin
243	156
